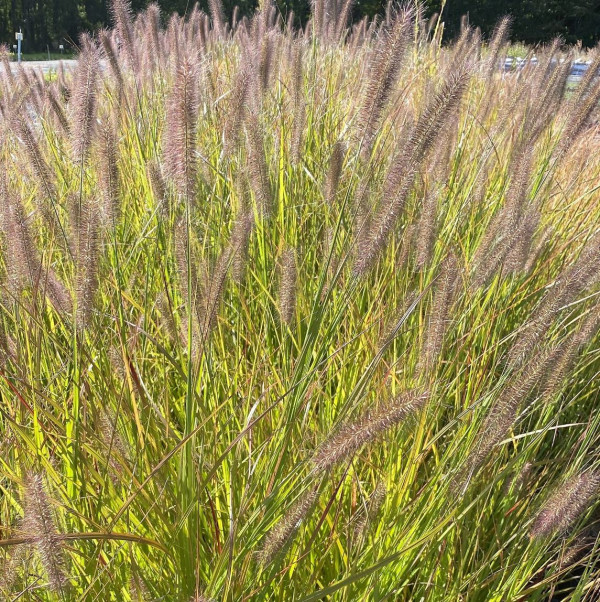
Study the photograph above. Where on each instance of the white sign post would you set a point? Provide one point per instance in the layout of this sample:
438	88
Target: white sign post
19	38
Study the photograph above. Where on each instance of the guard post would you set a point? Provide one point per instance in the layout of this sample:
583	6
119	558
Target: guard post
19	38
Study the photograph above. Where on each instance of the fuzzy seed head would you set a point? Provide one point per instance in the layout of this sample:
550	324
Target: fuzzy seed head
566	505
283	532
351	436
181	130
83	104
287	286
40	525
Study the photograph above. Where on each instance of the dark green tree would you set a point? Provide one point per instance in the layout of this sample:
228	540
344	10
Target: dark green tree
48	23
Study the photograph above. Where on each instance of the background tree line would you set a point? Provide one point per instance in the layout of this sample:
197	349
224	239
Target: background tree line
48	23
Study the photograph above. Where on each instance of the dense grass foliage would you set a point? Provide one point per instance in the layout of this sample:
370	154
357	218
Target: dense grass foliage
299	315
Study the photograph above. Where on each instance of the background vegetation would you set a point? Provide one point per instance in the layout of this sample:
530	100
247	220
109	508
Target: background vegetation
53	22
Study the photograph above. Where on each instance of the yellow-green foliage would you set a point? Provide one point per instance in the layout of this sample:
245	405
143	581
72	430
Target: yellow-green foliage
298	315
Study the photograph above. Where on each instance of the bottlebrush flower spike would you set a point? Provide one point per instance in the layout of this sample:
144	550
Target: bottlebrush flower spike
181	130
40	525
566	505
285	529
348	438
83	102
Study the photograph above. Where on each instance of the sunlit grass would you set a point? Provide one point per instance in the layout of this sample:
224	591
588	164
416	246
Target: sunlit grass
209	393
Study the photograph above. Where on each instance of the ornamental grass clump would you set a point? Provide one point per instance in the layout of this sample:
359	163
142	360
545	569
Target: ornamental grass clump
299	312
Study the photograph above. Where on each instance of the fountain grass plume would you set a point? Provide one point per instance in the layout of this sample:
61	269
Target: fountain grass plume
110	54
217	15
565	505
288	286
574	279
39	166
20	254
401	176
39	523
334	172
503	413
213	289
438	319
181	129
518	254
240	238
109	172
427	229
261	308
497	44
158	186
385	63
87	258
237	107
348	438
282	533
257	168
567	351
298	102
83	103
504	233
57	109
122	17
368	513
190	284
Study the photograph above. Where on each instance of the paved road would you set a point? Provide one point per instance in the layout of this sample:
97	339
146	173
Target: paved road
577	69
46	66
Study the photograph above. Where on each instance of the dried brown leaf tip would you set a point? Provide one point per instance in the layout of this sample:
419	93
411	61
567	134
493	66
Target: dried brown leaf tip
373	424
566	505
40	525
